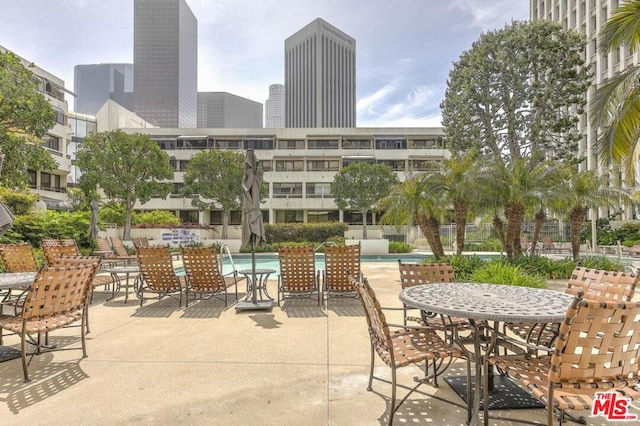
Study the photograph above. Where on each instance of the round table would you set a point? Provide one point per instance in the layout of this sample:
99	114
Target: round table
480	302
256	289
116	271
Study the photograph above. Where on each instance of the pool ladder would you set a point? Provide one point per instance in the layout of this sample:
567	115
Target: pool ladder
226	252
324	244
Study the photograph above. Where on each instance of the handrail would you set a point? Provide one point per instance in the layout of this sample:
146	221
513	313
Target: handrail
224	249
324	244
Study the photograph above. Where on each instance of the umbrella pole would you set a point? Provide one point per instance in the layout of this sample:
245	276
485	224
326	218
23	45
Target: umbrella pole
253	269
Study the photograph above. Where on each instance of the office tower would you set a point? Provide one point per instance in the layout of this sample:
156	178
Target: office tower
94	84
222	109
274	107
587	17
320	77
165	59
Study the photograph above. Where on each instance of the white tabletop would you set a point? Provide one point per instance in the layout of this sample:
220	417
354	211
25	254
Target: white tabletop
491	302
9	280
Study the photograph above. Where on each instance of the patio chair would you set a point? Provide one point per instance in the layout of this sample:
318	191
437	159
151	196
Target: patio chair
121	251
595	284
412	274
157	274
298	277
340	261
401	346
204	275
597	350
52	249
140	242
56	299
16	258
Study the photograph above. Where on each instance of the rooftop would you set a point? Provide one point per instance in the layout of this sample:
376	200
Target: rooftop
207	364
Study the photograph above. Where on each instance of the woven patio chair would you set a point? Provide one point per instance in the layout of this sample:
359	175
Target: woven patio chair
298	277
53	249
412	274
140	242
595	284
16	258
597	350
340	261
401	346
204	275
121	251
56	299
157	274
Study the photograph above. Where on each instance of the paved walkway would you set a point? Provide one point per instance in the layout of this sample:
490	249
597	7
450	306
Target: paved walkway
207	364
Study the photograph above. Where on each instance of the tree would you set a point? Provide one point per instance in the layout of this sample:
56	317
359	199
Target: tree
516	91
216	176
615	108
458	178
359	186
416	200
578	191
127	167
25	116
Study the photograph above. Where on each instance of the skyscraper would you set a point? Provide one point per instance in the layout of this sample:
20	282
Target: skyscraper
94	84
320	77
274	107
165	59
222	109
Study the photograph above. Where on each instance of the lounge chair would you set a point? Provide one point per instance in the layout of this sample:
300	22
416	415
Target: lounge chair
340	262
16	258
204	275
156	274
298	277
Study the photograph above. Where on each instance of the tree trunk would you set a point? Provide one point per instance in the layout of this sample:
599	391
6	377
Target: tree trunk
460	210
128	211
577	216
498	225
539	219
430	227
515	215
225	224
364	224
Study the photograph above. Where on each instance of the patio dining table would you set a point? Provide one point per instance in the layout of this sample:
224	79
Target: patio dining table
13	281
483	304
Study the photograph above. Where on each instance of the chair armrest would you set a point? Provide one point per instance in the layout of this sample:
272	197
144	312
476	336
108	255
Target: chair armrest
519	343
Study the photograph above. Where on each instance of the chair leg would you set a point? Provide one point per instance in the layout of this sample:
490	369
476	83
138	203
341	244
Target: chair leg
373	360
392	407
23	349
82	334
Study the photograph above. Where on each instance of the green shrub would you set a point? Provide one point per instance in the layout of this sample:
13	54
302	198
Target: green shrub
546	267
602	262
33	228
301	232
18	202
487	245
112	213
399	247
155	217
464	266
501	272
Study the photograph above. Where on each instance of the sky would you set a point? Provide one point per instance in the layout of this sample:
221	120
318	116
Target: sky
404	48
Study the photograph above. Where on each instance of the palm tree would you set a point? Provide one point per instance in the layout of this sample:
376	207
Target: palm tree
458	179
416	199
616	106
579	191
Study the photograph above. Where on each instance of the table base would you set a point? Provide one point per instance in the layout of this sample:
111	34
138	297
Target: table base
506	394
7	353
249	305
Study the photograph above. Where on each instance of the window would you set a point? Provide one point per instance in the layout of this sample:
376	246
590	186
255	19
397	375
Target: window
189	216
235	217
289	216
323	144
167	144
317	216
289	165
51	142
260	143
290	144
227	144
391	143
59	115
177	187
287	190
33	179
323	165
356	144
348	160
355	218
427	143
49	181
182	165
318	190
425	165
266	165
192	143
397	165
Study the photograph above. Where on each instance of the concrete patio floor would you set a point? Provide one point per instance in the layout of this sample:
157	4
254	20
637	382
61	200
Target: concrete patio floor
207	364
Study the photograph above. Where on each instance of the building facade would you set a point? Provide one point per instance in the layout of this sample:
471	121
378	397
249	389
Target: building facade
587	17
299	166
223	110
320	77
274	107
94	84
165	59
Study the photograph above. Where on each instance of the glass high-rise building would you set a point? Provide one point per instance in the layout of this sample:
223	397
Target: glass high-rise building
224	110
274	107
94	84
165	59
320	77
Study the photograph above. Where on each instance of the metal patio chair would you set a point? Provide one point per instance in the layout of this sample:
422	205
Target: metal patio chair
156	274
340	261
298	276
